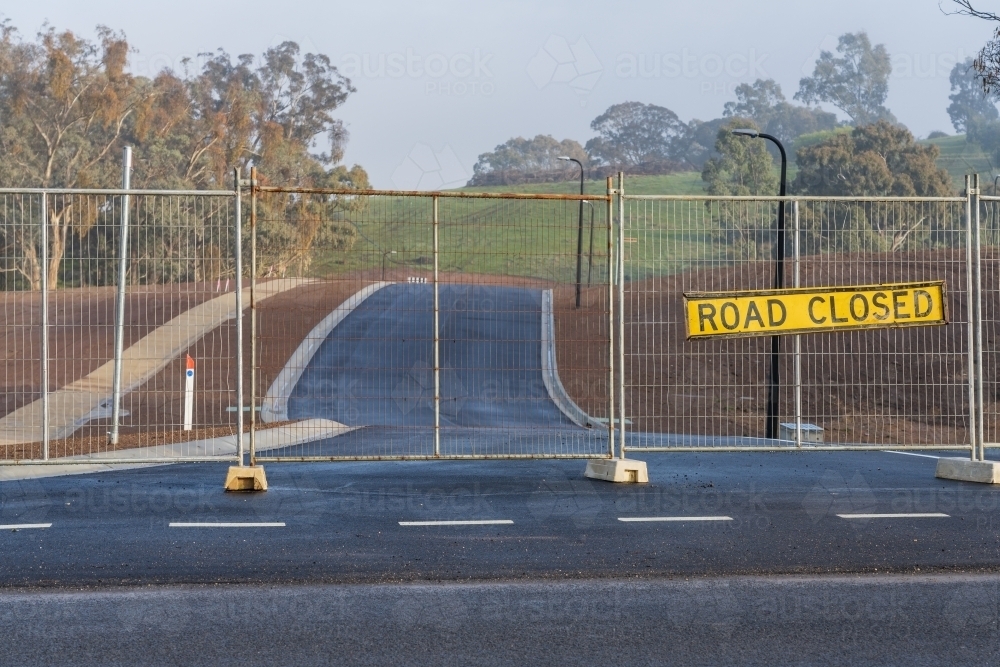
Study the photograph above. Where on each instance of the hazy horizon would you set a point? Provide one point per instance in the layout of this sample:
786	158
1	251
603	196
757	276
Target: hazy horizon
439	84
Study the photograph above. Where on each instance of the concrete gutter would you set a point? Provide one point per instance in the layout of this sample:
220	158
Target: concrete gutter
274	407
550	373
222	448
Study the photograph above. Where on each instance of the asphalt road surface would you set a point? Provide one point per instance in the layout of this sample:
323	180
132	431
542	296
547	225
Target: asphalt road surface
376	367
553	536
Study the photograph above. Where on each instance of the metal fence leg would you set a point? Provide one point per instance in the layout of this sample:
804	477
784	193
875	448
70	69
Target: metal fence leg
240	399
621	313
437	337
253	316
611	321
978	319
116	391
45	326
970	338
798	337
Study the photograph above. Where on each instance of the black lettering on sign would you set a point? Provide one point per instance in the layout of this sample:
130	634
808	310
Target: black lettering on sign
919	295
897	304
880	304
774	322
736	315
753	314
706	313
864	302
833	310
813	301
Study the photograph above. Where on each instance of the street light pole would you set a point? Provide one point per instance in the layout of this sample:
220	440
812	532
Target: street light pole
579	232
773	381
384	255
590	255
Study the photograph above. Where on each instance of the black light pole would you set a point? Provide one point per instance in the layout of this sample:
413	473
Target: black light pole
771	423
590	255
579	232
384	255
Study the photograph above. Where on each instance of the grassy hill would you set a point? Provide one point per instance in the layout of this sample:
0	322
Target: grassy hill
537	239
683	183
960	157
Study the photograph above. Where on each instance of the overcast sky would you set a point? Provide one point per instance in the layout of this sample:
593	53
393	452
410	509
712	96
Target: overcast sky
440	82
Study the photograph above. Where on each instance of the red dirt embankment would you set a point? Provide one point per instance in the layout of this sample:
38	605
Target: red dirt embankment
877	386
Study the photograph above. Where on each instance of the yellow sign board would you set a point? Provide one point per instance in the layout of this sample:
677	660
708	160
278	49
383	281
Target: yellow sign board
814	309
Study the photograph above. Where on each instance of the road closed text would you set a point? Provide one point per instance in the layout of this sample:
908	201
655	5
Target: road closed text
814	309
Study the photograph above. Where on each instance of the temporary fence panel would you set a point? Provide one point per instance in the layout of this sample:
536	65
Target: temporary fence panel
907	388
67	311
432	325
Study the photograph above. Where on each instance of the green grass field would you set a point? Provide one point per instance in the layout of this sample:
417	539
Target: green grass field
537	239
960	157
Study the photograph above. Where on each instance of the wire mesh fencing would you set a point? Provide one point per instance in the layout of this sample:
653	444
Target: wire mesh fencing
96	367
395	325
899	387
433	325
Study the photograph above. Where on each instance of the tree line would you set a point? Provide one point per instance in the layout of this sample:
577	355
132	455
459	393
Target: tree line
68	105
647	138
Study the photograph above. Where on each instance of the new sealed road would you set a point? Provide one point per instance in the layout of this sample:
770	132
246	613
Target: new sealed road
702	514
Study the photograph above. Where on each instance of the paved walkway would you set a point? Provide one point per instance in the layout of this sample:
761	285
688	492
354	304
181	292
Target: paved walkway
70	406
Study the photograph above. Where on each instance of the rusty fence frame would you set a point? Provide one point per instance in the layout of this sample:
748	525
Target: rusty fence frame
256	189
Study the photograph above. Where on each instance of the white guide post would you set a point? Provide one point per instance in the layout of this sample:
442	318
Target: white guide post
189	394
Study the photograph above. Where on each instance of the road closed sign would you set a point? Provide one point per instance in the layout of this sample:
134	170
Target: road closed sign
814	309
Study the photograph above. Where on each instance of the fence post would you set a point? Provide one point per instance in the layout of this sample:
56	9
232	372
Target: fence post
253	316
239	316
611	319
798	337
977	282
621	313
437	337
970	337
116	382
45	326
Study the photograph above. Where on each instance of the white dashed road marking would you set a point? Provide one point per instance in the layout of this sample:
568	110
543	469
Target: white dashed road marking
638	519
914	515
488	522
23	526
272	524
924	456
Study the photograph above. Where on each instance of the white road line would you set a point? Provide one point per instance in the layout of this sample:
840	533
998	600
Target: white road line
914	515
487	522
23	526
228	524
637	519
926	456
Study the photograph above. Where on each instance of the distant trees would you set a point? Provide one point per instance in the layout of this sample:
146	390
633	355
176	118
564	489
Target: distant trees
633	133
970	105
765	104
873	160
520	160
744	167
856	81
881	159
68	106
974	111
